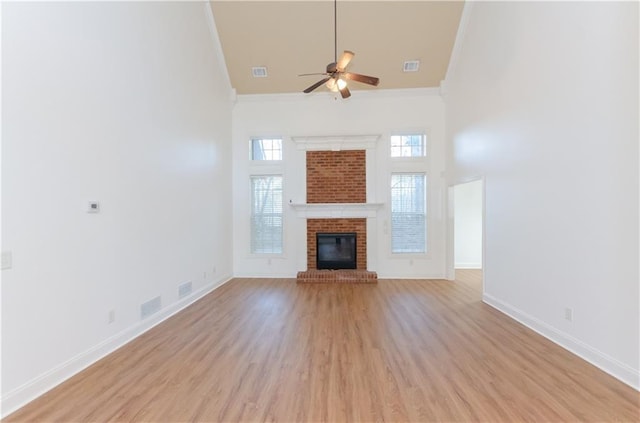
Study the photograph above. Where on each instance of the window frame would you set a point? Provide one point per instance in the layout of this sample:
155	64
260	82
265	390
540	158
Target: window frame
266	161
425	145
410	254
251	216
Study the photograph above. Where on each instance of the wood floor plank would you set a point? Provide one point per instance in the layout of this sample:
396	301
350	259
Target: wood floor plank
399	351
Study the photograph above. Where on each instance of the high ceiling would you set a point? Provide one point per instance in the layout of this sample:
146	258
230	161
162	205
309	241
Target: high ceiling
295	37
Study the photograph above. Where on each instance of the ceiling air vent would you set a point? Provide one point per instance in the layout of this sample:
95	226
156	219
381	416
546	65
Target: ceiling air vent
259	71
411	66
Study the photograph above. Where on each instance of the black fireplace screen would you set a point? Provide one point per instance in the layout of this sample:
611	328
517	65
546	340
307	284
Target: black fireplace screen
336	250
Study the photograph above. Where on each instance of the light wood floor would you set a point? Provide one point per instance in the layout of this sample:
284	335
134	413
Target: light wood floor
401	350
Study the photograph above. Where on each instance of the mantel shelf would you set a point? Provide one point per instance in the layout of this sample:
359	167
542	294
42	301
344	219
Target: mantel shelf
336	142
336	210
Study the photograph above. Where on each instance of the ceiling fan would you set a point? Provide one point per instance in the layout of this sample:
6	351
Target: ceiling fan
336	74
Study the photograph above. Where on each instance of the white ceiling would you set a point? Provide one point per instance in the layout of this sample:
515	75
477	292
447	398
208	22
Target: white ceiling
294	37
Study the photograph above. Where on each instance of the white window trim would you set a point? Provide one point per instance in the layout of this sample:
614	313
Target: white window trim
419	159
266	162
408	256
267	168
281	255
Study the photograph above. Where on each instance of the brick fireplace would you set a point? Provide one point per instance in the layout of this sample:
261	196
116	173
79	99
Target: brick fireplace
359	226
337	177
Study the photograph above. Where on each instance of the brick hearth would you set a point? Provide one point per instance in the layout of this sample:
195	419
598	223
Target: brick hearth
337	276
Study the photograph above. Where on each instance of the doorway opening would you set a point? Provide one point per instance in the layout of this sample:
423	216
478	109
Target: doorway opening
468	231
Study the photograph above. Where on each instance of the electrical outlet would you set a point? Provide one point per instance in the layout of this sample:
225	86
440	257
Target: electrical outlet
112	316
568	314
93	207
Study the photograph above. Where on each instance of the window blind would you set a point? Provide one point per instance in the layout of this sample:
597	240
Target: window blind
266	214
408	213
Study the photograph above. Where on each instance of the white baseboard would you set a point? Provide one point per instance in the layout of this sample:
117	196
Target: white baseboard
31	390
266	275
604	362
429	276
468	265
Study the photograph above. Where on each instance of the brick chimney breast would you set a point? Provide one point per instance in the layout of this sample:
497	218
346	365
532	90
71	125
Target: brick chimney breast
336	176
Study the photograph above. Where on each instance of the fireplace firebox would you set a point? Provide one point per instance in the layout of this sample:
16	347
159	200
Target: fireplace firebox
336	250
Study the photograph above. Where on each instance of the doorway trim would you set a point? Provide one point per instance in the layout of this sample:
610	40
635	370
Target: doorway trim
450	236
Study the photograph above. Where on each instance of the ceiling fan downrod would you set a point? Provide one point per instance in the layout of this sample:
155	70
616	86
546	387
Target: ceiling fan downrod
335	31
336	75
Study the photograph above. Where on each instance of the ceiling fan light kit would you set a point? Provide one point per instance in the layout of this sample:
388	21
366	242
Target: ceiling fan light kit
336	74
336	85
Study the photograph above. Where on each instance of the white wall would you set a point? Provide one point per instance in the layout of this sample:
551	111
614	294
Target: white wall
543	102
468	225
127	104
365	113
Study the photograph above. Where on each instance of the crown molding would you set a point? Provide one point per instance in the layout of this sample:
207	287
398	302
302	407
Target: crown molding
326	96
457	45
217	47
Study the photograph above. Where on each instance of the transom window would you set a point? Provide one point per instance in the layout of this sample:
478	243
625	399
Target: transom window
408	213
266	149
408	145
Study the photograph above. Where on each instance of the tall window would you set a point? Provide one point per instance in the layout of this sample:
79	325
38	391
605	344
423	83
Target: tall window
266	149
408	145
266	214
408	213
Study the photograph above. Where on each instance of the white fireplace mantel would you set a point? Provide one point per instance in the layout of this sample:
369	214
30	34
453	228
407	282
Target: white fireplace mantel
336	142
336	210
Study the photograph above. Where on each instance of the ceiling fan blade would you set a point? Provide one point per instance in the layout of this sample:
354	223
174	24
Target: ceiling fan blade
371	80
316	85
344	60
317	73
345	93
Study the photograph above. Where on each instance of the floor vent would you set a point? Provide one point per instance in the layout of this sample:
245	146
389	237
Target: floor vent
150	307
184	289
